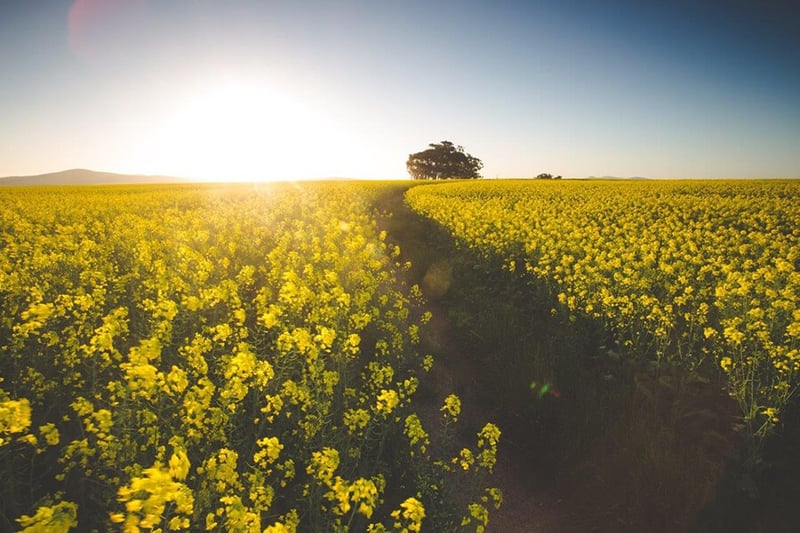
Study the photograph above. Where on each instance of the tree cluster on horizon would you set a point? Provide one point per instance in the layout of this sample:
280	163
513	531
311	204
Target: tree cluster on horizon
443	160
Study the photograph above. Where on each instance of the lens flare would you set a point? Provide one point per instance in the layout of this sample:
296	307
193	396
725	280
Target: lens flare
98	27
541	390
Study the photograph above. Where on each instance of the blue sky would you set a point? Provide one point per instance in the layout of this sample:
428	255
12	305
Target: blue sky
292	89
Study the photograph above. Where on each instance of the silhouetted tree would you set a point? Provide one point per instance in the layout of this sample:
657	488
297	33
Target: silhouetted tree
443	161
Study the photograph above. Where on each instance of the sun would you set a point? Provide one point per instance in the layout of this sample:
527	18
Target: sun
238	132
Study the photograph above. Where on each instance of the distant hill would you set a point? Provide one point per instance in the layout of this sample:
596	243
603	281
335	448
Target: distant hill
81	176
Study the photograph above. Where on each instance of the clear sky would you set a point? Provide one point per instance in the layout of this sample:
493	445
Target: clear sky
238	89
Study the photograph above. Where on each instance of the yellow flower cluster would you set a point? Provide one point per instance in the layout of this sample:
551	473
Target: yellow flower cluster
410	514
58	518
15	417
147	497
452	406
361	495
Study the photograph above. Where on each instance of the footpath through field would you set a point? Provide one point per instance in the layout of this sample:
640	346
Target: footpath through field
528	504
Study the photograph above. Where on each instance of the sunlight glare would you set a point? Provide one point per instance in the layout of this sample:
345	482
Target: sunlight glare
239	132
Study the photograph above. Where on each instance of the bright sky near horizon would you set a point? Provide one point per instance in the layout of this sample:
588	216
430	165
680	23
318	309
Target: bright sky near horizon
243	90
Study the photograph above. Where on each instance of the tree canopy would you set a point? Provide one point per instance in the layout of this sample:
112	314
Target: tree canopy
443	161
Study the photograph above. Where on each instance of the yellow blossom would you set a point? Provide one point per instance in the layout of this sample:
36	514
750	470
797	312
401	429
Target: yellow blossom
412	512
387	401
452	406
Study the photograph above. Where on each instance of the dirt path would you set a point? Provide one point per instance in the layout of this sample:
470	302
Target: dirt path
528	505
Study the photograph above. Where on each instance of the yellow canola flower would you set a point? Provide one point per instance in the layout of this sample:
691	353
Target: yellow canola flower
772	414
323	464
364	493
416	433
325	337
387	401
58	518
793	329
147	496
356	420
15	417
412	512
50	433
179	465
177	380
269	450
353	343
465	459
452	406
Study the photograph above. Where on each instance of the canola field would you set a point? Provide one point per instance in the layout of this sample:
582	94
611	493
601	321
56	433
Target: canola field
220	358
698	277
249	358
